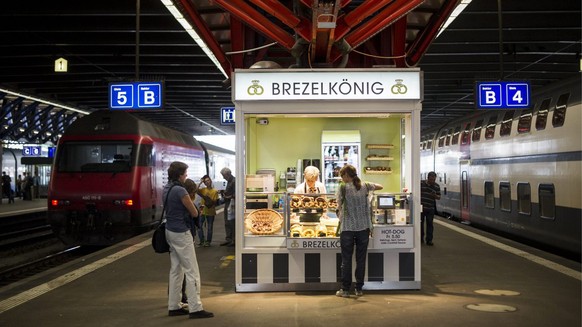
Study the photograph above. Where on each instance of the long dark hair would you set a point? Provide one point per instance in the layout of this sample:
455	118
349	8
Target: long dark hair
353	174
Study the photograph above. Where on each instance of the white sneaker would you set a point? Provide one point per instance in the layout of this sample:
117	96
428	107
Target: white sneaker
358	293
342	293
183	305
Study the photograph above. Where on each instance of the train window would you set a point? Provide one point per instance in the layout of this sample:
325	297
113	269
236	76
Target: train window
505	196
490	130
560	110
505	128
489	195
477	131
466	134
442	138
429	145
449	134
456	135
524	198
524	124
547	201
542	115
145	155
103	157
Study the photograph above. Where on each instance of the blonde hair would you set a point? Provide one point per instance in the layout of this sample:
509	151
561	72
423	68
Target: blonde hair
311	172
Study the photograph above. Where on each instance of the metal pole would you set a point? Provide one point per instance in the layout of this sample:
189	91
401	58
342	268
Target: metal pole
500	20
137	27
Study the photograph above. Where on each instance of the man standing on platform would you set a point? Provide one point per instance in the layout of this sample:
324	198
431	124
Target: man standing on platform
429	193
229	211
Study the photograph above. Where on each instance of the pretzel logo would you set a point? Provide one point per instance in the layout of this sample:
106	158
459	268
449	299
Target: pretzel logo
399	88
255	89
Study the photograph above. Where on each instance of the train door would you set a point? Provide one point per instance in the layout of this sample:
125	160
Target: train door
465	192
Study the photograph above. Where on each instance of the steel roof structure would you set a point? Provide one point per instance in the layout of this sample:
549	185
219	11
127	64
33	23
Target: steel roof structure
110	41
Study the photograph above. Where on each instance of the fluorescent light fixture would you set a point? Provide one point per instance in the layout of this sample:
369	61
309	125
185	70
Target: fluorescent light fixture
44	101
456	12
188	27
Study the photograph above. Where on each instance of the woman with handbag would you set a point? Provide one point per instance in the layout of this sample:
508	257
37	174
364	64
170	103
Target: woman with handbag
183	262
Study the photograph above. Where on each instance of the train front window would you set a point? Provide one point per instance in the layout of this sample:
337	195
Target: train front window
105	157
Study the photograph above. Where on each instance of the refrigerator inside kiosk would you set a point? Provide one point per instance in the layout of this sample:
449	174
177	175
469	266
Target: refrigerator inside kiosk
339	148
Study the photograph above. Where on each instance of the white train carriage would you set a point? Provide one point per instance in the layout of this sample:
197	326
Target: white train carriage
515	171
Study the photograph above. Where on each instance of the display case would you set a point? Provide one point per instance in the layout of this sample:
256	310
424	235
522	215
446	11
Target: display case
312	215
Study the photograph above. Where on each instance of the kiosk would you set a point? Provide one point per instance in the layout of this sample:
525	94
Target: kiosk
368	117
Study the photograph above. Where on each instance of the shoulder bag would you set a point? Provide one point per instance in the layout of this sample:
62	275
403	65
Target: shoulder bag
159	241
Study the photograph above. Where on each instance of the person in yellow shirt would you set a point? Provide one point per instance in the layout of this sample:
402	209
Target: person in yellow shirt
208	204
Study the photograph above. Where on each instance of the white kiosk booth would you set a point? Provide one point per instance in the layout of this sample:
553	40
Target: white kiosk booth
287	119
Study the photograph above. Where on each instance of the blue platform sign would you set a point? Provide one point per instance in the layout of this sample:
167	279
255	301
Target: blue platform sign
31	151
227	116
502	95
136	95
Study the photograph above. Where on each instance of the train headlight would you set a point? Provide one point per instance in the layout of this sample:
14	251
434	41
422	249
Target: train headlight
128	203
56	203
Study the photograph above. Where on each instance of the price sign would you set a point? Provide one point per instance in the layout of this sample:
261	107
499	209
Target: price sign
502	95
137	95
393	237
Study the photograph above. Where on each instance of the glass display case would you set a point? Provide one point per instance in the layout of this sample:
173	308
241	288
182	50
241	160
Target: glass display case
264	214
312	215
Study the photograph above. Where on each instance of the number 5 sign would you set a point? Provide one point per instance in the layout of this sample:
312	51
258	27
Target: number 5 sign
502	95
137	95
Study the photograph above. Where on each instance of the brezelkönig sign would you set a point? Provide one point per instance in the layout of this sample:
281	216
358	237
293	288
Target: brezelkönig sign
333	85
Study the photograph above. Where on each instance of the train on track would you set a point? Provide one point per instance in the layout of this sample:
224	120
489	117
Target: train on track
516	172
108	174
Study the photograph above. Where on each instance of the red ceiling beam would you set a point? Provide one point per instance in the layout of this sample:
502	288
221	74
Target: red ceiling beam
423	40
347	22
206	35
392	13
398	31
249	15
237	41
286	16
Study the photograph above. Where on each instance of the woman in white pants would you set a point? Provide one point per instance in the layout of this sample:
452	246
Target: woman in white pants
180	209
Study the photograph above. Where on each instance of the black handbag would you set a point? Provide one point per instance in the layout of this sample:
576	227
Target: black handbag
159	241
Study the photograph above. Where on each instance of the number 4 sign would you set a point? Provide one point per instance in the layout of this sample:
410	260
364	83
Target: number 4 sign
502	95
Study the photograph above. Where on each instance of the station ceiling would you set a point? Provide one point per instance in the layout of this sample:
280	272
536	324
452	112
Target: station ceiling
107	41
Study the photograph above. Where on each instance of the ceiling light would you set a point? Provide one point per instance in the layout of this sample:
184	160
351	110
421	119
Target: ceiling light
190	30
456	12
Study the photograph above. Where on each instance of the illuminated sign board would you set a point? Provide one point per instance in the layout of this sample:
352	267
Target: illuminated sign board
502	95
136	96
227	116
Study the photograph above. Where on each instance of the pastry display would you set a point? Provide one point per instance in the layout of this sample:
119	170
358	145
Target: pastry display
264	222
320	230
307	232
296	230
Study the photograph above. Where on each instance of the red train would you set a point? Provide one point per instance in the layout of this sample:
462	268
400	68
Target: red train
108	175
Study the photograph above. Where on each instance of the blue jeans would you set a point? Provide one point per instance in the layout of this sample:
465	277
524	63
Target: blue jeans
209	226
428	216
347	241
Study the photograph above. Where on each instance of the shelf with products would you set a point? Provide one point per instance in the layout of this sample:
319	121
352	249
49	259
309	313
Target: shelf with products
375	156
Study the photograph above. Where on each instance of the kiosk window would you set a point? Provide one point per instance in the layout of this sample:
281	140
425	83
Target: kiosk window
477	131
490	130
547	201
489	195
542	115
560	110
524	198
506	123
505	196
